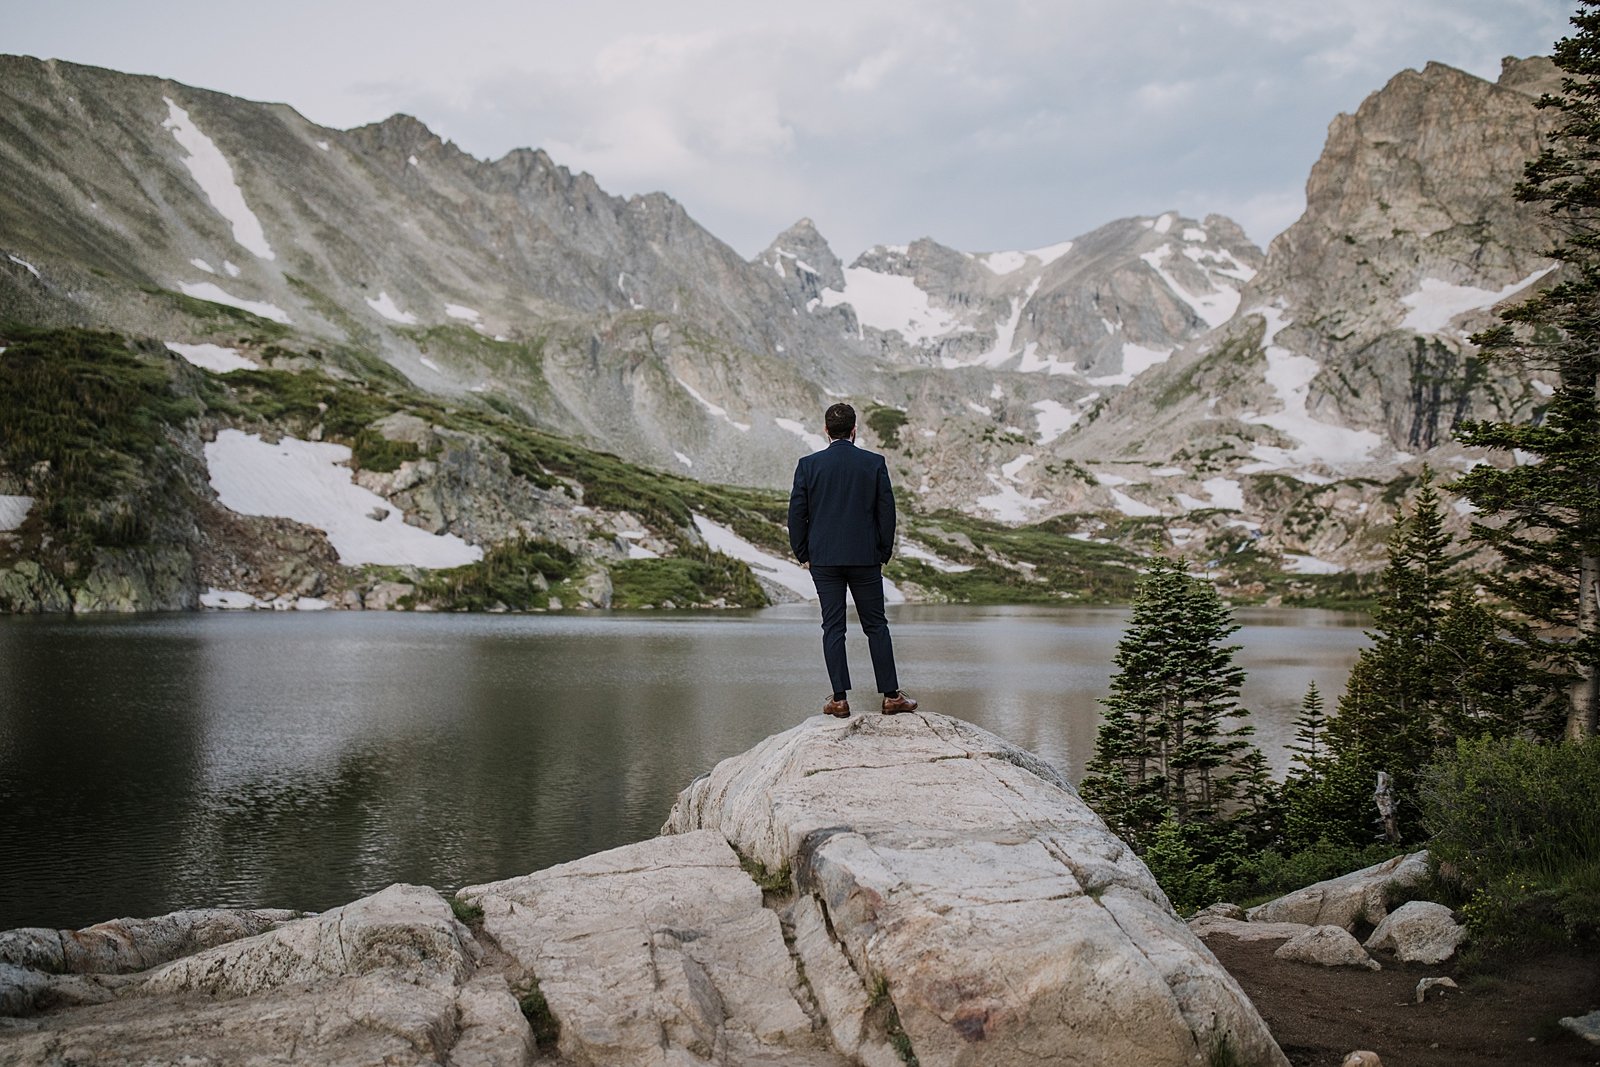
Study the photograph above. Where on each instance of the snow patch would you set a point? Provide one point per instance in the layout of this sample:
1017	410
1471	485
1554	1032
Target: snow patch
1163	224
1136	359
981	409
641	552
1214	308
1131	507
1109	479
228	266
431	365
892	303
1436	302
461	311
814	441
213	174
213	357
217	295
685	460
13	510
24	264
1009	471
1008	504
912	550
385	306
1004	262
1054	419
1300	563
1225	493
322	145
781	572
1290	377
200	264
227	600
1192	233
996	392
309	482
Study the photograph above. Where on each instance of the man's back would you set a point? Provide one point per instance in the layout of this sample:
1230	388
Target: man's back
841	510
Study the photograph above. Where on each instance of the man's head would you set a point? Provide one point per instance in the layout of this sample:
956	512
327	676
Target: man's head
840	421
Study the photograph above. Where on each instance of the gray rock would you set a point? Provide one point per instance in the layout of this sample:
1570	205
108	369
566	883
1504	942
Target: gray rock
654	953
1327	946
961	875
1240	930
1419	931
1346	901
380	980
1427	985
384	596
1220	911
1585	1026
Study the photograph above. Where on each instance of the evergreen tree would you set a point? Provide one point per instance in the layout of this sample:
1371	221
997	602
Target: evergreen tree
1310	745
1165	749
1543	516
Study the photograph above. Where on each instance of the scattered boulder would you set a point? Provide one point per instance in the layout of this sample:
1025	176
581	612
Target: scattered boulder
1349	900
1220	911
985	907
1585	1026
1427	985
1419	931
1328	946
1361	1058
385	596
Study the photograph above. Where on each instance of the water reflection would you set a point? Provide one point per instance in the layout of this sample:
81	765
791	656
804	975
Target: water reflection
300	761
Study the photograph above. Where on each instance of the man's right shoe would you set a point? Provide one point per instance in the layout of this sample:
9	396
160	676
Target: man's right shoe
839	709
898	704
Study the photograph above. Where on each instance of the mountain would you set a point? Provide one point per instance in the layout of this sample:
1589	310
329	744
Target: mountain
1158	371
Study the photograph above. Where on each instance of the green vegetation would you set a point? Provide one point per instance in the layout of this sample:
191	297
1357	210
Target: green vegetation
779	881
1516	831
513	574
226	319
886	423
467	912
880	1006
90	421
1041	563
545	1026
685	581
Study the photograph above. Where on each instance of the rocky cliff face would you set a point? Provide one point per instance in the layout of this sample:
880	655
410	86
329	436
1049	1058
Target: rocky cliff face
878	891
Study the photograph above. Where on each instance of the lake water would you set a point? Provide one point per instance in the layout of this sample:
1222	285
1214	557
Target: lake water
300	761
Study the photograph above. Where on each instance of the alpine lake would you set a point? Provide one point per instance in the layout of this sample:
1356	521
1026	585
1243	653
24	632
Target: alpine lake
300	761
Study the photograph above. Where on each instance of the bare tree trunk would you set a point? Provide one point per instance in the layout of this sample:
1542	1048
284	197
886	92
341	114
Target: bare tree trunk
1585	693
1383	796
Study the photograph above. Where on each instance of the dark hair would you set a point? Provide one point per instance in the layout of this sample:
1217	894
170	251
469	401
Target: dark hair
840	420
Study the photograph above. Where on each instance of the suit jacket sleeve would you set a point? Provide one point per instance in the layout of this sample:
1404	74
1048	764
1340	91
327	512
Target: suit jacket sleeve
799	516
885	510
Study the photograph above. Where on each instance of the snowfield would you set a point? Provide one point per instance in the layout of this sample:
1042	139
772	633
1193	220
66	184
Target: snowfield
213	357
213	174
310	482
1436	302
385	306
218	295
892	303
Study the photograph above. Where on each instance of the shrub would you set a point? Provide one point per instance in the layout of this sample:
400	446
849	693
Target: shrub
1515	826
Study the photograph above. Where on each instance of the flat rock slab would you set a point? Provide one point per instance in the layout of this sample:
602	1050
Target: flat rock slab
382	980
1359	897
658	953
1241	930
964	879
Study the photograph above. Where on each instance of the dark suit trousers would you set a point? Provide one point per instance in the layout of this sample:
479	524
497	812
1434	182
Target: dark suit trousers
866	589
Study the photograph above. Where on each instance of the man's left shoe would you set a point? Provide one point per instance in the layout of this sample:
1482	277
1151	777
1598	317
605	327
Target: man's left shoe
898	704
839	709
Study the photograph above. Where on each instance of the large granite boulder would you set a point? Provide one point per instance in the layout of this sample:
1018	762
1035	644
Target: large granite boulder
657	953
1327	946
1349	900
988	913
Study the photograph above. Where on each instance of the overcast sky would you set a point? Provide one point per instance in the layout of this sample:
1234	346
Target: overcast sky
985	124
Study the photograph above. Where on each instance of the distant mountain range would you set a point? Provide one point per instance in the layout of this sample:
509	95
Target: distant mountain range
1157	377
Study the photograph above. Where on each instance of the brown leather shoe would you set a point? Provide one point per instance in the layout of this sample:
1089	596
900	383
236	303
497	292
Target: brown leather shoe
839	709
898	704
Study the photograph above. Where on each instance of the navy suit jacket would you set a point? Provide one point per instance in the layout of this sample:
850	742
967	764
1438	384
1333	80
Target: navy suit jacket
841	510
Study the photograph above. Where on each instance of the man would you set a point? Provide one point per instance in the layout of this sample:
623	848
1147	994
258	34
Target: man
841	527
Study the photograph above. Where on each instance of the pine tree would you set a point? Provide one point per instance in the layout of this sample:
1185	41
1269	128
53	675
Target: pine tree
1165	749
1543	516
1310	745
